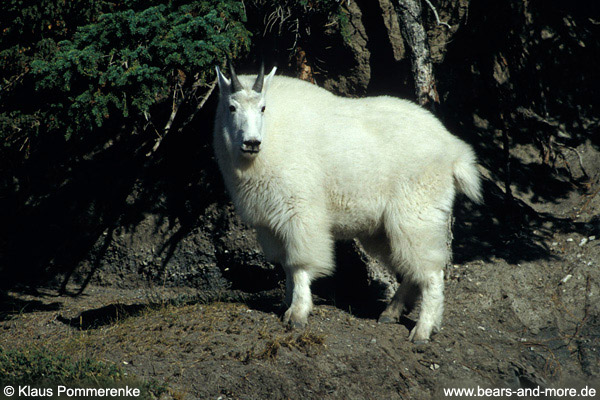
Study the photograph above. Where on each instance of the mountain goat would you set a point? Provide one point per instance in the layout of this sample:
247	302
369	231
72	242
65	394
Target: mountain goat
305	167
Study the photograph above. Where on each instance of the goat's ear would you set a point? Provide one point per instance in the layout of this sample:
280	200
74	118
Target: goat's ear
269	78
224	83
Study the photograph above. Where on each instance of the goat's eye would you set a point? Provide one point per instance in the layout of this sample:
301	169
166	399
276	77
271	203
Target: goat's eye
232	108
263	109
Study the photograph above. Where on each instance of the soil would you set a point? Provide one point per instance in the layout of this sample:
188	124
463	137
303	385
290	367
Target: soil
508	324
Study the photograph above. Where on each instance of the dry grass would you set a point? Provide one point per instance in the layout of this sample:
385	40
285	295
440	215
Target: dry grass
306	341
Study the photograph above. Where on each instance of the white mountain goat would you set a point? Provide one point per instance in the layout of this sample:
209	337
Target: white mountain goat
305	167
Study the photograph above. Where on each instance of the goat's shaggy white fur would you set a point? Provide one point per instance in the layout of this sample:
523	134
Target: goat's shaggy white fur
380	169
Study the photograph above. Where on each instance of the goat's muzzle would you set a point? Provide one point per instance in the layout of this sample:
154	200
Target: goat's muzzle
250	147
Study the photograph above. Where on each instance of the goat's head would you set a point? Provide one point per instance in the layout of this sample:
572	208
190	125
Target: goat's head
242	111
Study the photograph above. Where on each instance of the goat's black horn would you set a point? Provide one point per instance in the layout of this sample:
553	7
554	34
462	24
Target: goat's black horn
258	85
236	86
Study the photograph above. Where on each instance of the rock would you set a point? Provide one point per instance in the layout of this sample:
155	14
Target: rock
355	75
390	20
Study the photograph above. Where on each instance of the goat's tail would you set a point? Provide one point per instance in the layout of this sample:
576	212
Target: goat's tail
467	176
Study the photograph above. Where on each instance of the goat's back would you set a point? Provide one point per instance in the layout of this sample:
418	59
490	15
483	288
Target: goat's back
368	138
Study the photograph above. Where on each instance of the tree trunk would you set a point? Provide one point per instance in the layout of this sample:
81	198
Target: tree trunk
409	15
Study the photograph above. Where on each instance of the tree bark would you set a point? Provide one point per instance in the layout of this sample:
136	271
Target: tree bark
409	16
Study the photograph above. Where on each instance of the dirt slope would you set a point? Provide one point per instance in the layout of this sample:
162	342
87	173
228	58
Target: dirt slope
507	325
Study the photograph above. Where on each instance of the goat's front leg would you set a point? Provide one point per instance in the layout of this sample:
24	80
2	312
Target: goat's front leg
308	254
297	296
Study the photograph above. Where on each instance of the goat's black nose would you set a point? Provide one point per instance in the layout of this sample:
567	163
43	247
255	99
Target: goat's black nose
251	146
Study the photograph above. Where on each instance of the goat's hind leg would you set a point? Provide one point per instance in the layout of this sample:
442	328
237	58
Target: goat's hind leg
403	301
378	246
432	307
419	254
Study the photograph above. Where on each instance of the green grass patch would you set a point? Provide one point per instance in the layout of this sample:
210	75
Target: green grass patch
45	368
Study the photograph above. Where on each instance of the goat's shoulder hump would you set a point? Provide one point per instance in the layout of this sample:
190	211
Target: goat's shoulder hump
286	83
